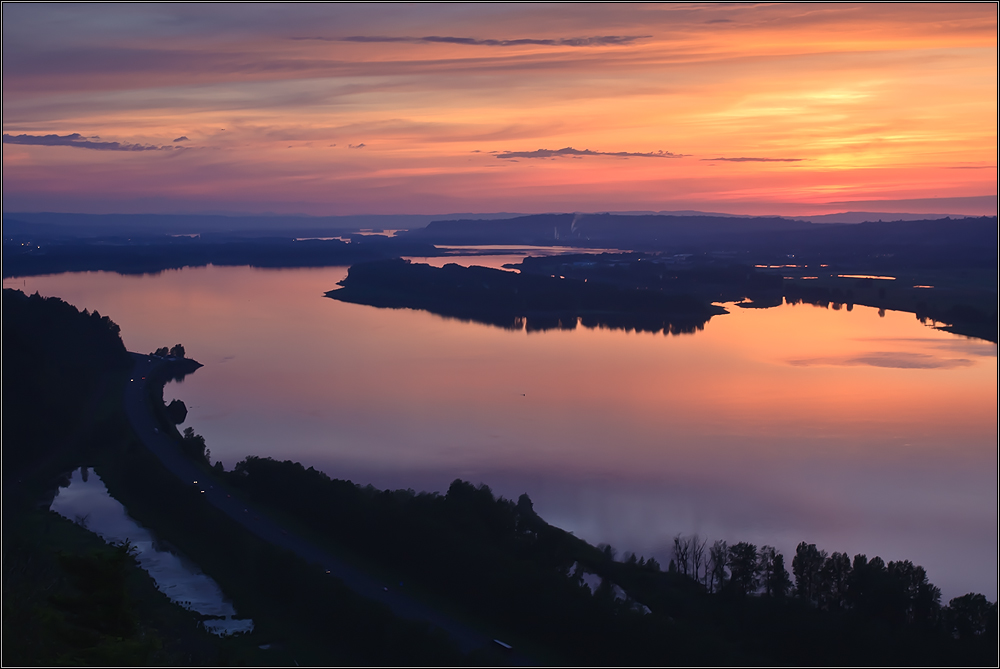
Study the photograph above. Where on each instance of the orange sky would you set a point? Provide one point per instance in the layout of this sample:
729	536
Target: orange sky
351	109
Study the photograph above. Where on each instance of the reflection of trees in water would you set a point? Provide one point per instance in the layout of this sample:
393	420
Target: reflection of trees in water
544	322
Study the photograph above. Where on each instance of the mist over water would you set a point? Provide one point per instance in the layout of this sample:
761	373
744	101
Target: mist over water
859	433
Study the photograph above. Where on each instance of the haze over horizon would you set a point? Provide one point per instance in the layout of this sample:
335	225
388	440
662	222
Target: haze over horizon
792	110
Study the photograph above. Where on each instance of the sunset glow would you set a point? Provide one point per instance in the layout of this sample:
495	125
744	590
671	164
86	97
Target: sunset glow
351	109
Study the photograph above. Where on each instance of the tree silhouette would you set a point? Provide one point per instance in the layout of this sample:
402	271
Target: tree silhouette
682	554
718	556
919	600
806	566
194	444
971	616
177	411
833	576
743	568
778	584
771	569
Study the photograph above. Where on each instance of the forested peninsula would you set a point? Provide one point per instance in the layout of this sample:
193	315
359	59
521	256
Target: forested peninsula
516	301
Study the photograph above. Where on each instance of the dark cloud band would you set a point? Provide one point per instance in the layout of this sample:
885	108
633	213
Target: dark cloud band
758	160
568	151
79	141
605	40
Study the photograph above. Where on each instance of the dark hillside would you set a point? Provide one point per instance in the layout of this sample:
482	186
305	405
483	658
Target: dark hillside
968	242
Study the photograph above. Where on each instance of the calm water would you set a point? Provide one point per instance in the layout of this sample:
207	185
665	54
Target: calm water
86	501
859	433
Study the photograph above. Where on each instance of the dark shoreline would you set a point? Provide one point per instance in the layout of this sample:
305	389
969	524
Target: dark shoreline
516	301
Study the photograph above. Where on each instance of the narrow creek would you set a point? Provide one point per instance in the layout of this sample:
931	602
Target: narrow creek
86	501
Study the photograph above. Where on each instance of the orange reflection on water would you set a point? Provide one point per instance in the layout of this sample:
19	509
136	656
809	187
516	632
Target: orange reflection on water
857	432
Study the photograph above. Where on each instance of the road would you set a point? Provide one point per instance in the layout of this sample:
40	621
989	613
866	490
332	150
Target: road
145	425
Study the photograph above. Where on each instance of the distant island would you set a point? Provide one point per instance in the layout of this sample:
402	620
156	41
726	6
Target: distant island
515	301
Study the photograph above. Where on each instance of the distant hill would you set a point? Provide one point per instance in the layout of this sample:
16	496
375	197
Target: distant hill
950	241
873	216
597	229
86	225
73	225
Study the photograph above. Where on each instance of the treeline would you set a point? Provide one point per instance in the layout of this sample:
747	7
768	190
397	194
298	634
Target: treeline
301	614
509	300
31	256
56	362
703	276
897	593
714	604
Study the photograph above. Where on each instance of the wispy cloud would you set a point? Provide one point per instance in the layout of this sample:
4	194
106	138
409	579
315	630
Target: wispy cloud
603	40
758	160
569	151
79	141
182	139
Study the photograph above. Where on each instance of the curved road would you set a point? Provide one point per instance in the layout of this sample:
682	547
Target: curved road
166	450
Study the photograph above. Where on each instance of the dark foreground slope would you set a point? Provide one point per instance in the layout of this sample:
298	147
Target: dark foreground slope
496	561
68	598
512	300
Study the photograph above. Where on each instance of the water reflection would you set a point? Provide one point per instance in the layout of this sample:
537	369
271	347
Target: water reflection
860	433
86	501
497	256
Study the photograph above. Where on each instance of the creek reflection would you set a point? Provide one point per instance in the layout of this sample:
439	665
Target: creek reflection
857	432
86	501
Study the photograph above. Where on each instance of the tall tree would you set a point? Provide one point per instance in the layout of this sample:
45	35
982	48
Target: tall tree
699	561
833	577
971	616
778	583
918	600
682	554
718	556
806	566
743	568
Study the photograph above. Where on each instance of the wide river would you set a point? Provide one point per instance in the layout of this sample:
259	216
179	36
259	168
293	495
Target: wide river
857	432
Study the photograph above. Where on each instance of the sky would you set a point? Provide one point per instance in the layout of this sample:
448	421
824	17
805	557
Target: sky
791	109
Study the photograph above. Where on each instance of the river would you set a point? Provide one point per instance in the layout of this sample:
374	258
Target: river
857	432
